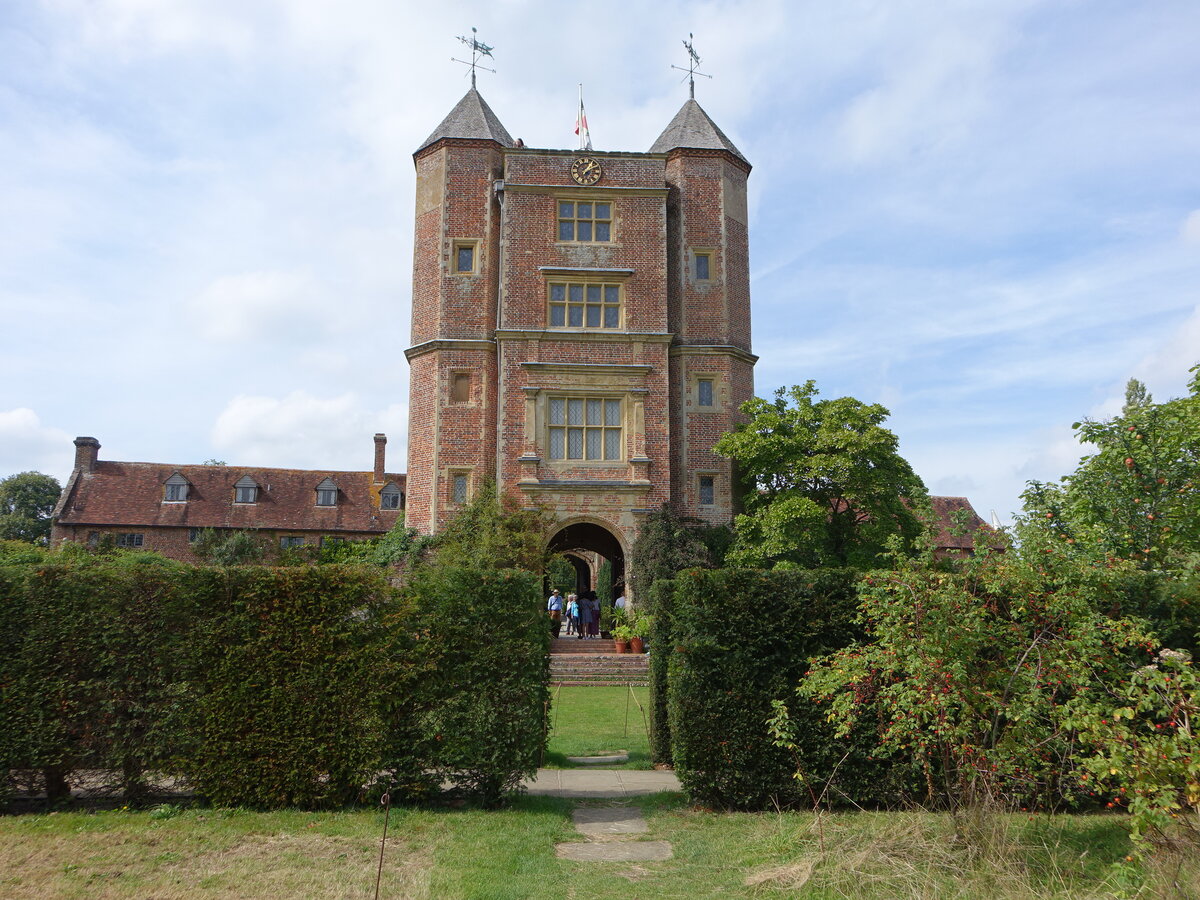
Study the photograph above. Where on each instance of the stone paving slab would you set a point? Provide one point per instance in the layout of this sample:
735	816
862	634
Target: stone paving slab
583	784
608	823
626	851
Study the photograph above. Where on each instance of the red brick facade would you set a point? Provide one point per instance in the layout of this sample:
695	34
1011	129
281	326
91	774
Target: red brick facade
631	372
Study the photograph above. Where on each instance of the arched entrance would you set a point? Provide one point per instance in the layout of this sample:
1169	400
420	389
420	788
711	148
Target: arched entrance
587	546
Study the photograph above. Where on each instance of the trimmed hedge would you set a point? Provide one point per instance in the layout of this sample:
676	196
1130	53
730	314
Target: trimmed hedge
91	666
478	678
285	685
661	643
269	687
742	638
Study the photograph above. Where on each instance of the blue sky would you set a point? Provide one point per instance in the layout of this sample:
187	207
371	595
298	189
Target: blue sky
984	215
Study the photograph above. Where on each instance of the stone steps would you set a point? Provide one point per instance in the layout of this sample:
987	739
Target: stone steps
599	668
573	645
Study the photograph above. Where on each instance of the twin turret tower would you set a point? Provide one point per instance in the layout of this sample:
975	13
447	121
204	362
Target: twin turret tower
580	325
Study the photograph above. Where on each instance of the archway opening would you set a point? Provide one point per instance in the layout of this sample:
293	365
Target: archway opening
588	546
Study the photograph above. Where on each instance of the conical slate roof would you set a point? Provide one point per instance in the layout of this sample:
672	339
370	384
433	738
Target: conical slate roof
692	128
471	118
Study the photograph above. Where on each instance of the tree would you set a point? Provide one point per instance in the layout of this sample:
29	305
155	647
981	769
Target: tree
26	502
1136	496
668	543
823	482
494	532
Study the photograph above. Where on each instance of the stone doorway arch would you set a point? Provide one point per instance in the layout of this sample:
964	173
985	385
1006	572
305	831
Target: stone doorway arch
590	543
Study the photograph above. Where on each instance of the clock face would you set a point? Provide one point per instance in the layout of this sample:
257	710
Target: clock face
586	171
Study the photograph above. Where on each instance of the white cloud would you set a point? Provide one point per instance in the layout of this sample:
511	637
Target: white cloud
1190	231
305	431
152	26
25	443
259	305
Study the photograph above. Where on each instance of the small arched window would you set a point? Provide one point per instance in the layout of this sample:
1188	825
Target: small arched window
327	493
391	497
245	490
176	490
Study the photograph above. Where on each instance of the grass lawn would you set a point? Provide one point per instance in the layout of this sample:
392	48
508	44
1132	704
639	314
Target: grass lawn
591	721
452	854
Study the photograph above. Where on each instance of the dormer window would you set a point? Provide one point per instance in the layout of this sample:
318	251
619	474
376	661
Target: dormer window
390	497
176	490
245	490
327	493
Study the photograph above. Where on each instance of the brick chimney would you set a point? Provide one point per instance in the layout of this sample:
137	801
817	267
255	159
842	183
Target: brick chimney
86	451
380	444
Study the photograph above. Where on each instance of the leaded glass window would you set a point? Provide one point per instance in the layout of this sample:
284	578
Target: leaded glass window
584	221
585	305
584	428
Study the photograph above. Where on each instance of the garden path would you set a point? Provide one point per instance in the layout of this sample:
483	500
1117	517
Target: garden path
611	837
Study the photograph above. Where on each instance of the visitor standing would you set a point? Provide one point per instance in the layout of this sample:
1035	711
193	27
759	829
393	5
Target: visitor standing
593	605
554	605
572	614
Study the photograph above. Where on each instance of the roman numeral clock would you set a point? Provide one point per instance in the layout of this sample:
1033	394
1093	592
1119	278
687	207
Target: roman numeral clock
586	171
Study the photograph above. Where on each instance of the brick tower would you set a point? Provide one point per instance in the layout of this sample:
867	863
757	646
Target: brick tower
581	326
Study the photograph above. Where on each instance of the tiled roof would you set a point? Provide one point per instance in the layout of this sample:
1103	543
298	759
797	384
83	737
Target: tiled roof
944	509
472	118
692	128
131	494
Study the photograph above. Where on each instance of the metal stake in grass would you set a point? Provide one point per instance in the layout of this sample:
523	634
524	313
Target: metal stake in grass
630	686
386	802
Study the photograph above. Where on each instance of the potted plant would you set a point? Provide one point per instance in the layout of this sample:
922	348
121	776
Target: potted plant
622	634
641	631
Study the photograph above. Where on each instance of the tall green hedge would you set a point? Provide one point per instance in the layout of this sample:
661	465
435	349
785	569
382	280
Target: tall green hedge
285	686
661	646
478	677
742	638
92	667
269	687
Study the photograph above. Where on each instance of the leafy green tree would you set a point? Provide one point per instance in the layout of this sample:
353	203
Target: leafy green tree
26	502
560	574
823	482
1136	496
667	543
494	532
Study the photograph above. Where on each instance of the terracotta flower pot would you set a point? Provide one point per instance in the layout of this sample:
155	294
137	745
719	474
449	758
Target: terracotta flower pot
622	646
635	645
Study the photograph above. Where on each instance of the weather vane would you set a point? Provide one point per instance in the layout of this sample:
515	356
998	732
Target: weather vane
478	50
693	68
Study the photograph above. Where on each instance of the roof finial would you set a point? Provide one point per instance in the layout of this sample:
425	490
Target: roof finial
478	50
693	68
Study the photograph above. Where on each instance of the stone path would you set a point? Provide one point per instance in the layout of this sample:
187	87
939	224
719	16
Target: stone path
611	837
584	784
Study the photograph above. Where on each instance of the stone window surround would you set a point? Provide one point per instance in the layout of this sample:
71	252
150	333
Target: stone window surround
453	473
700	476
471	244
720	391
594	221
693	267
585	395
568	275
